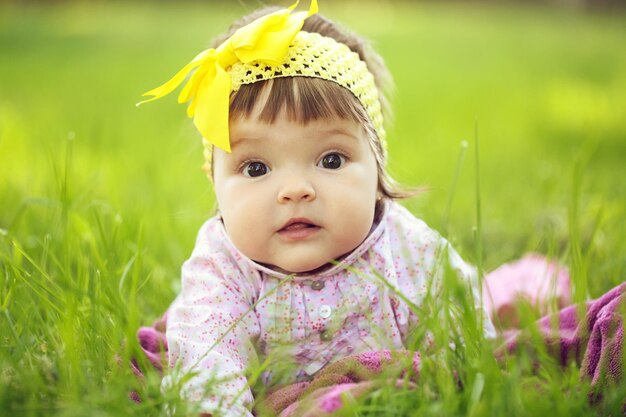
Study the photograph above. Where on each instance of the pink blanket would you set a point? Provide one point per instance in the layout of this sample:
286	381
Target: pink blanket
532	279
350	377
591	335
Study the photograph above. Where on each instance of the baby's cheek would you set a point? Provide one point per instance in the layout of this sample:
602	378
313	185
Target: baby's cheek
241	229
354	224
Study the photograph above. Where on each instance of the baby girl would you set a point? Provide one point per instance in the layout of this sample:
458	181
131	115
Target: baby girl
309	258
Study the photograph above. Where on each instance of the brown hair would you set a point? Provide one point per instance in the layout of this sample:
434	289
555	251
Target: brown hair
306	99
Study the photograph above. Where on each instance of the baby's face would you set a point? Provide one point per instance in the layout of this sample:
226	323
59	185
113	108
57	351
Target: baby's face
296	196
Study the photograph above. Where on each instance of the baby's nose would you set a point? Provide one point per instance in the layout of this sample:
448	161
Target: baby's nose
296	189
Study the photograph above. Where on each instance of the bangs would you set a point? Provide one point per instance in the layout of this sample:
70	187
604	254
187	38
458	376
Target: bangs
304	99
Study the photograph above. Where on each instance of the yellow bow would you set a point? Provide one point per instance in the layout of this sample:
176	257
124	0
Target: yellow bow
266	40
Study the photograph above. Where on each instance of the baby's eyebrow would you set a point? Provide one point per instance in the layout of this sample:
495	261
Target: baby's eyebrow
321	134
339	138
243	139
338	131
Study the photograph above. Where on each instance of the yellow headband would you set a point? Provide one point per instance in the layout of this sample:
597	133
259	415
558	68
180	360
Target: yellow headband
270	47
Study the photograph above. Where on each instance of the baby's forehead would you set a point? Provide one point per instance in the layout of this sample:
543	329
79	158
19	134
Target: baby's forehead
251	131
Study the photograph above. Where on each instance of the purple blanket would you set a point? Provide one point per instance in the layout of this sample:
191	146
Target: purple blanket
593	341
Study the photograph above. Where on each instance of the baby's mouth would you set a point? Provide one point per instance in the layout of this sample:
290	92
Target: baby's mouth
298	228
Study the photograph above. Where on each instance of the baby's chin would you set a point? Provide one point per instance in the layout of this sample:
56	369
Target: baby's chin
303	268
306	270
300	269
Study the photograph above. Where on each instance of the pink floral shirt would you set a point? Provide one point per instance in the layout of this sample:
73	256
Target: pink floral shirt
233	314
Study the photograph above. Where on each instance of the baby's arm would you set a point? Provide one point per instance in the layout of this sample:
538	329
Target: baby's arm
210	331
428	258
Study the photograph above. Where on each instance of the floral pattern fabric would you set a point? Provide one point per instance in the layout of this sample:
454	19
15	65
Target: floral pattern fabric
233	313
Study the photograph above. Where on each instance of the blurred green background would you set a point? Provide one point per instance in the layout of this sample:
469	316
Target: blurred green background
101	201
544	86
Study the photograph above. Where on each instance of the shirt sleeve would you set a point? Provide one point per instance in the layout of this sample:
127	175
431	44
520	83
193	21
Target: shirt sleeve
429	260
211	331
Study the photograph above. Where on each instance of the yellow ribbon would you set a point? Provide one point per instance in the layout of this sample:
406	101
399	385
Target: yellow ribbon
266	40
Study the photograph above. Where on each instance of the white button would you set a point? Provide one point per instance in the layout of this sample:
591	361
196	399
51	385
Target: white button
325	311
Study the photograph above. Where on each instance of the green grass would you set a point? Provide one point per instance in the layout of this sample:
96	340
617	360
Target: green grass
101	201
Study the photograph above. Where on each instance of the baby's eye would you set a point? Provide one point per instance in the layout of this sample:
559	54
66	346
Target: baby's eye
255	169
332	161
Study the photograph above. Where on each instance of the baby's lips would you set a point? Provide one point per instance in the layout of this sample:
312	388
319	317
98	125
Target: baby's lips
298	226
297	223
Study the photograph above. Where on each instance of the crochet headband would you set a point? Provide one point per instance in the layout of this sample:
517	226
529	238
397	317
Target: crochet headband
272	46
